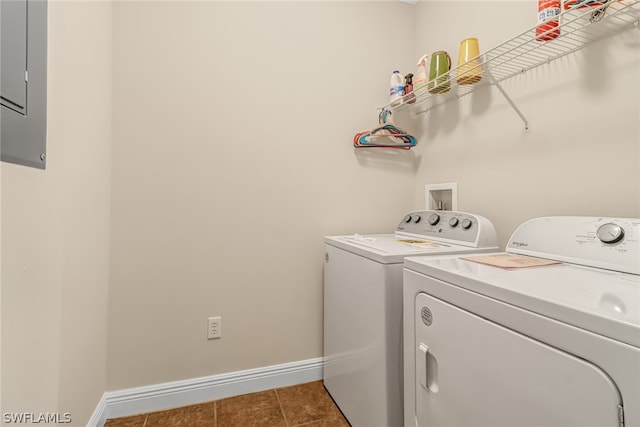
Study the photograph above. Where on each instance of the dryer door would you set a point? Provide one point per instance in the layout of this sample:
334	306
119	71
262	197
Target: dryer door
473	372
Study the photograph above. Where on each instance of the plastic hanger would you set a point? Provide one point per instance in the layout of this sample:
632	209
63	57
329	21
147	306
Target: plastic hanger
395	136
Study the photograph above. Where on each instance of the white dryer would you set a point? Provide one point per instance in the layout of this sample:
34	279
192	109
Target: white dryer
550	345
363	307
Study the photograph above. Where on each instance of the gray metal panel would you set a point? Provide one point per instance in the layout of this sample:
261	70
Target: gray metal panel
23	136
13	45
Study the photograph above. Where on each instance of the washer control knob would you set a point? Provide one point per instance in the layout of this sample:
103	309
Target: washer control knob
466	223
417	219
610	233
453	222
434	219
407	218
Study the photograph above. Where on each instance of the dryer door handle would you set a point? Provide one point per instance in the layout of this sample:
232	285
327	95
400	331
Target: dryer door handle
427	368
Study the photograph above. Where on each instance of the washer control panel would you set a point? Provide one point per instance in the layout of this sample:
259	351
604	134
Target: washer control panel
611	243
460	227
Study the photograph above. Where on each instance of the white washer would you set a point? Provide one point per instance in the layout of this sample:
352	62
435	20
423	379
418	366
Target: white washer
555	345
363	308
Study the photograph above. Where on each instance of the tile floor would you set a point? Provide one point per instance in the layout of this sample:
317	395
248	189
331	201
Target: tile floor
307	405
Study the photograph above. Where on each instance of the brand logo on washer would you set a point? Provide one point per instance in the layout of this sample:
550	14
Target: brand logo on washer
519	244
427	317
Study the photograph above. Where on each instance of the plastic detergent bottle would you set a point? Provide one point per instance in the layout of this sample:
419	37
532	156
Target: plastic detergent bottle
396	89
420	79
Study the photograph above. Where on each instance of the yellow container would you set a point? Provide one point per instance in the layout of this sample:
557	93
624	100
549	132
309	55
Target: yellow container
469	68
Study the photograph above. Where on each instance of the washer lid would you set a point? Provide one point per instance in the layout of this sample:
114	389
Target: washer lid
601	301
393	248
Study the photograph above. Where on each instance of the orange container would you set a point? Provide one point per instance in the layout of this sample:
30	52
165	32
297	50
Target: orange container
548	21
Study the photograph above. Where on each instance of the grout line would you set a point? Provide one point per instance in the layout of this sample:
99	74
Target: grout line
311	422
284	416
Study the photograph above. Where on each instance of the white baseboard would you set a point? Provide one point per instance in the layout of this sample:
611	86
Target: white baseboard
99	415
122	403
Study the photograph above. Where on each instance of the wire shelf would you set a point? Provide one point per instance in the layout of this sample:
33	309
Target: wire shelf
578	27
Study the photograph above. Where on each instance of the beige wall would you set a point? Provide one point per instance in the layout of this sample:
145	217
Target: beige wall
229	158
55	230
232	158
581	155
1	365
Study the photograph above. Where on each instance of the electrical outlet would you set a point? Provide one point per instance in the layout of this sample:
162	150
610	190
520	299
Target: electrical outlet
214	327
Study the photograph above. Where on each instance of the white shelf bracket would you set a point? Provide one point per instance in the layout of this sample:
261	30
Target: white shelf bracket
509	100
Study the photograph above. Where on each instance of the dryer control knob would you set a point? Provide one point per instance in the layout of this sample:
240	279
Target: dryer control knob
453	222
417	219
407	218
434	219
466	223
610	233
